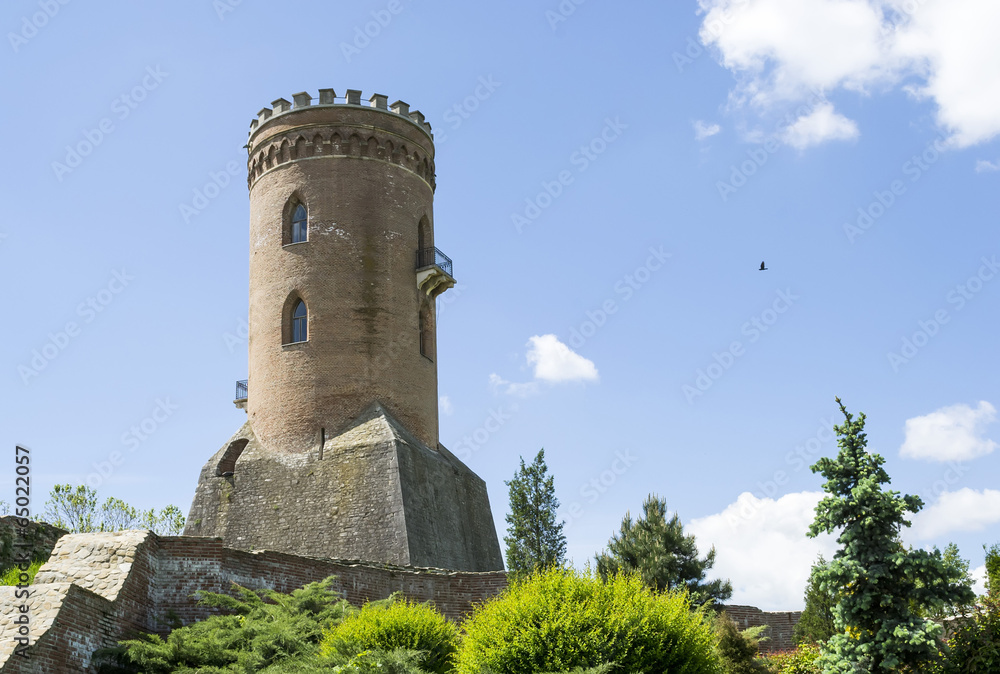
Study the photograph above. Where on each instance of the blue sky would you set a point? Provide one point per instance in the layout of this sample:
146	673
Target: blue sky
609	179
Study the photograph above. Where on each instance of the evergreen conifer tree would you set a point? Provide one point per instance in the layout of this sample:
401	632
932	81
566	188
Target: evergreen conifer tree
877	581
815	625
657	549
534	538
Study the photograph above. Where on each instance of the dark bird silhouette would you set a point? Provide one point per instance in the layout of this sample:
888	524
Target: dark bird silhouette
762	267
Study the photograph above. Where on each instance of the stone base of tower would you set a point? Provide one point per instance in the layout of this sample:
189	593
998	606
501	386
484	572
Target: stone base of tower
373	493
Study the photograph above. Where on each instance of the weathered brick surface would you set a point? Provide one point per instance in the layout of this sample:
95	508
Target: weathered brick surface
781	625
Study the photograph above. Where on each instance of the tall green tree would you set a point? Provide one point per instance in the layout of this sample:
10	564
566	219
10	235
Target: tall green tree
656	548
993	570
75	509
534	538
815	625
877	581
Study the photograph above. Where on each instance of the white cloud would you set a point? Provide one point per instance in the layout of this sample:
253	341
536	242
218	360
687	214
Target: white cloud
962	510
941	50
984	166
979	579
703	130
521	390
954	433
762	548
556	362
445	403
819	126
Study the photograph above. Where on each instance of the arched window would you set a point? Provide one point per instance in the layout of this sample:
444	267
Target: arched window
300	322
299	221
227	464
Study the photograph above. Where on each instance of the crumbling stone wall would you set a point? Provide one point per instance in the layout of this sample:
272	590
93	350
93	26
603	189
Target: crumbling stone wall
36	539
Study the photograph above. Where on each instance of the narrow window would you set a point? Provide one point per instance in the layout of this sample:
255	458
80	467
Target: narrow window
426	334
299	220
300	319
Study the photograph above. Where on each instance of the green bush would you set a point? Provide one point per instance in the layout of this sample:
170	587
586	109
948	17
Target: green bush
800	661
975	645
738	650
397	624
559	620
12	576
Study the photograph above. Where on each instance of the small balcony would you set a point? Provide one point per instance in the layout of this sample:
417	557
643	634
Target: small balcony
434	271
241	394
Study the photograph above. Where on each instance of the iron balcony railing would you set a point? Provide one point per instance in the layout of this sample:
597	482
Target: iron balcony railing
241	389
429	257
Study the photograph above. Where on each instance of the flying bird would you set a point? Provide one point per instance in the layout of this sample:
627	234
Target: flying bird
762	267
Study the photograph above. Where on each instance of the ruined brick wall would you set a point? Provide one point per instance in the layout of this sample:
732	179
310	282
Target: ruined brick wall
781	625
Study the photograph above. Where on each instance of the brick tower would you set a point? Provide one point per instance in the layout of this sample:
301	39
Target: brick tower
339	456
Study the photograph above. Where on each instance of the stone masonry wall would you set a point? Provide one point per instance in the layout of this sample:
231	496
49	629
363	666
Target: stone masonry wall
781	625
99	588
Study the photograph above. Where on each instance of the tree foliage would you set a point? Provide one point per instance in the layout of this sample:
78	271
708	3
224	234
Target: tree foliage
262	631
877	581
975	645
993	570
75	509
815	626
657	549
534	538
738	648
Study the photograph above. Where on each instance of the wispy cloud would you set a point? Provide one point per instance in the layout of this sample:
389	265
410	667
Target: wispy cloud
703	130
953	433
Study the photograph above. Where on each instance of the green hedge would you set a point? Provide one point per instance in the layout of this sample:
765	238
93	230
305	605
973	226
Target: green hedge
559	620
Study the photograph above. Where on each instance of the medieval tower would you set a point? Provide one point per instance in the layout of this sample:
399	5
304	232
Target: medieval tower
339	456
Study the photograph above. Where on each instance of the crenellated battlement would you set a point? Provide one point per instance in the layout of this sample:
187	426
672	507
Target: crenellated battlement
276	139
329	97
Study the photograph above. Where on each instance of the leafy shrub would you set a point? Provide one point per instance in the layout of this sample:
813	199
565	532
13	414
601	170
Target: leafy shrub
738	649
975	646
800	661
398	661
559	619
12	576
268	632
396	624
